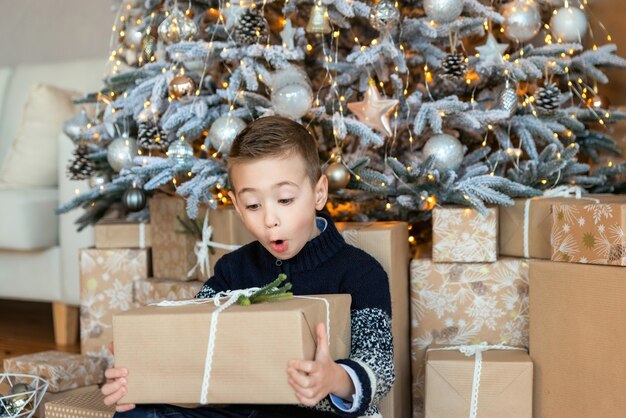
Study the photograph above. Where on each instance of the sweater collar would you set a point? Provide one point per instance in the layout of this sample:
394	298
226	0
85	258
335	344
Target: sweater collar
315	251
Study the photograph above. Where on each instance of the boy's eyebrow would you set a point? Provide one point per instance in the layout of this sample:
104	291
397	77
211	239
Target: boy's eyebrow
277	185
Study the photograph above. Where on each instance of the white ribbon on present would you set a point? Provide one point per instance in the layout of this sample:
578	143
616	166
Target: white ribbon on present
476	351
233	296
560	191
202	249
142	235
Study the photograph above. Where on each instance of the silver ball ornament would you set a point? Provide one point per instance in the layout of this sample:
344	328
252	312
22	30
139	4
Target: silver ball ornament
569	24
224	131
338	176
291	92
133	37
134	199
447	151
522	20
180	151
384	16
121	152
177	27
443	11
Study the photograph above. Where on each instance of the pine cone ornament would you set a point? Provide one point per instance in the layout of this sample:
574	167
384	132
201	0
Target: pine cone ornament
81	167
454	65
549	97
150	135
251	28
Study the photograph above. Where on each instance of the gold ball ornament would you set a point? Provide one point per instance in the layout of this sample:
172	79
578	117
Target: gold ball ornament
338	176
181	86
177	27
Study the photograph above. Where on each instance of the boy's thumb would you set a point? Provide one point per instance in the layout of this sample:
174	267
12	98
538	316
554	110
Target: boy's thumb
322	340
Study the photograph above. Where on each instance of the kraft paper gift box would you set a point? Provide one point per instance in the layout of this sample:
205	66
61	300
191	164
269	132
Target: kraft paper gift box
173	249
79	404
577	339
147	291
114	233
62	371
387	242
106	287
585	232
165	351
458	304
49	397
505	384
464	235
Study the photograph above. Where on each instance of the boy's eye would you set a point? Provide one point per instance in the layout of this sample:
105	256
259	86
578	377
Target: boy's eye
254	206
285	201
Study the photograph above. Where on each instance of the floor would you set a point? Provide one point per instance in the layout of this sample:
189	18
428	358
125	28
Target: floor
26	327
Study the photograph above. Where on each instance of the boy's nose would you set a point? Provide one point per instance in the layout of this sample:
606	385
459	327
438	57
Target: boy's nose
271	220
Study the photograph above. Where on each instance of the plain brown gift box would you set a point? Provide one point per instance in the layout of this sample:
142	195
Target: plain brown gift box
506	384
577	340
164	349
121	234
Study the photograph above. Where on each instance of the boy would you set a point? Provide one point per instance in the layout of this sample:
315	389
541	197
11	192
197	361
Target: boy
277	186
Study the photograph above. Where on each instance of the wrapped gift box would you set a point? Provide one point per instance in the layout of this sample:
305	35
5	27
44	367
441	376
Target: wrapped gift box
106	287
464	235
149	291
589	232
114	233
387	242
505	384
457	304
79	404
63	371
173	249
164	349
577	339
49	397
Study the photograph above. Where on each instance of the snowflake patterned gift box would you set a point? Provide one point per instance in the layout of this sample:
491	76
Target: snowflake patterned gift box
465	303
464	235
80	404
106	287
147	291
591	233
182	354
63	371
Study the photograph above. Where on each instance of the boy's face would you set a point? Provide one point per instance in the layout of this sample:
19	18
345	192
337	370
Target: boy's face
277	202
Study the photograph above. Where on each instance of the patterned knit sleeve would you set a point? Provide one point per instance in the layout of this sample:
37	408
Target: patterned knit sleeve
216	283
371	355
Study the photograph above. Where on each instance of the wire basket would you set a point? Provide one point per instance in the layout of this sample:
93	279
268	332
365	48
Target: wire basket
20	394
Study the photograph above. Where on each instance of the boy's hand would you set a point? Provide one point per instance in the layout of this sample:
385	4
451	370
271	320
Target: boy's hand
314	380
115	387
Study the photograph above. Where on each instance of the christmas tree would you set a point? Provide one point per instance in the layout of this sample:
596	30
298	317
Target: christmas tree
413	104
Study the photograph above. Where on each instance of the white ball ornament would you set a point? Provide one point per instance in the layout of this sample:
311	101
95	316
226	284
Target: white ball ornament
447	150
522	20
121	152
569	24
443	11
291	92
224	131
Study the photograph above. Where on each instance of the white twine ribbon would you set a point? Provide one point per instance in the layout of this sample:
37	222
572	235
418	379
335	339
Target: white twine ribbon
233	296
476	351
142	235
202	249
560	191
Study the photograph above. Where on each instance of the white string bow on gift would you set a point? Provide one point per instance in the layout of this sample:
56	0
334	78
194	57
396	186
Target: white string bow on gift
142	235
476	351
560	191
232	297
202	249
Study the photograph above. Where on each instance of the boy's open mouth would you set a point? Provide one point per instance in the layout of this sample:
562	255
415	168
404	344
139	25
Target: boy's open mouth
279	245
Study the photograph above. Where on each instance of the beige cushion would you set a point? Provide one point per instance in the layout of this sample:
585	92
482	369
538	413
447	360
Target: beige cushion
32	159
5	76
27	218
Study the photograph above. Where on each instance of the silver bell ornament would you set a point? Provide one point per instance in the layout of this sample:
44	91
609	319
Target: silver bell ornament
77	125
318	21
443	11
384	16
134	199
447	151
177	27
569	24
180	151
291	92
224	131
121	152
522	20
338	175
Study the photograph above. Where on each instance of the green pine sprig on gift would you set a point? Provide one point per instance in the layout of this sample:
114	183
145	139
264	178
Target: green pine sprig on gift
270	292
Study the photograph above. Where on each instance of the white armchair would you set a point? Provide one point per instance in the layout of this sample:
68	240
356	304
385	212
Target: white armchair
38	249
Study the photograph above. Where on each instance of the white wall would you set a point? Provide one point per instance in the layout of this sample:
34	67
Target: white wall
38	31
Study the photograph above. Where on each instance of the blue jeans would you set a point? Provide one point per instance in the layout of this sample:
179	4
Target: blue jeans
231	411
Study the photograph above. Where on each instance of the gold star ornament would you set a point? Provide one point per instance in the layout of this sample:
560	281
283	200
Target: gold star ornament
374	111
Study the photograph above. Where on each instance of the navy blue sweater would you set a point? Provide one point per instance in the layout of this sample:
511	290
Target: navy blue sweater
327	265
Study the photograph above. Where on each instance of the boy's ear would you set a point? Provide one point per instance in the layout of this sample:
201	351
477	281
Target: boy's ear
321	192
231	194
